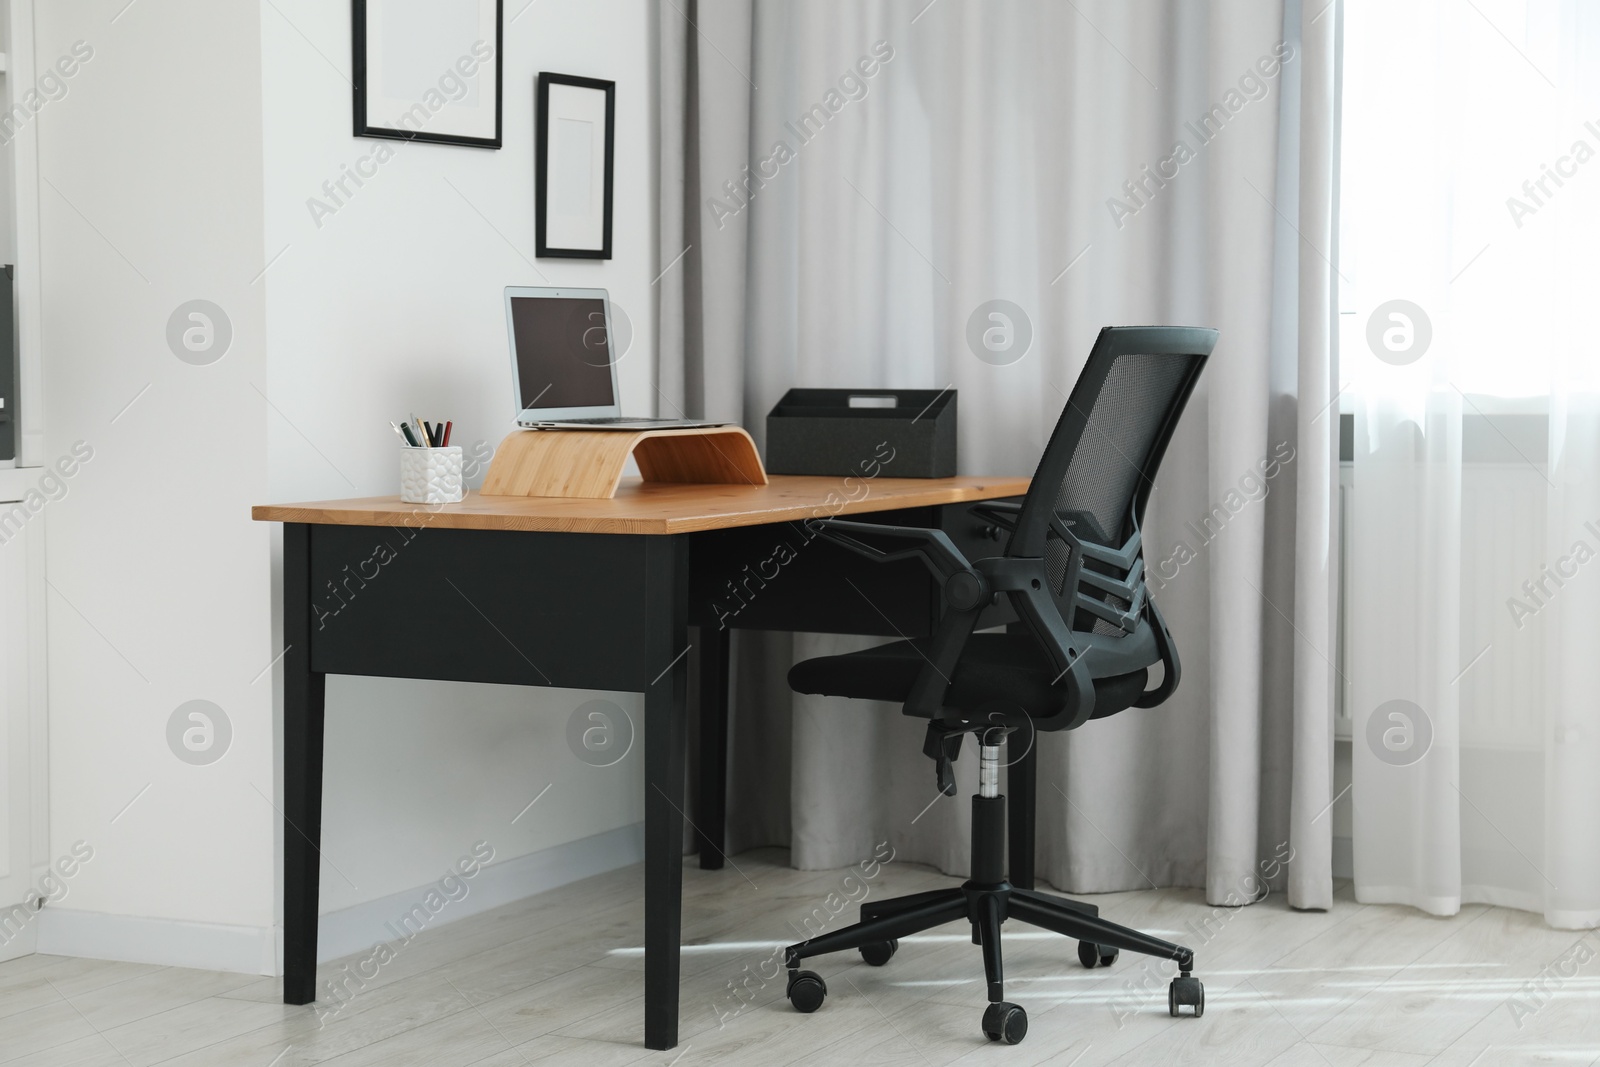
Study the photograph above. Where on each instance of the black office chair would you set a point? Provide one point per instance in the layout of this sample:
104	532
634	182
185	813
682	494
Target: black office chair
1074	573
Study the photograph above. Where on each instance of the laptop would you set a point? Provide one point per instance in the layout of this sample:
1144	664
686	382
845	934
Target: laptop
564	365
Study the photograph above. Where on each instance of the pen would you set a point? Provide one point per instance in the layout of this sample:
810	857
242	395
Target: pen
418	433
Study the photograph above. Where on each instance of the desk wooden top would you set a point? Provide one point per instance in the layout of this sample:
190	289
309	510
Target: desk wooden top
656	508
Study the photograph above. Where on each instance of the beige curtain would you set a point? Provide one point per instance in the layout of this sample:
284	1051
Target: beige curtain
1089	164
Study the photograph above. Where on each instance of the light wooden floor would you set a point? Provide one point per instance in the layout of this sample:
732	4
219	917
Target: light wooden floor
558	978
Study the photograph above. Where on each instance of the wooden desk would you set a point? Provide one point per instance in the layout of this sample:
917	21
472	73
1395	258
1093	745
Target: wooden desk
586	594
657	508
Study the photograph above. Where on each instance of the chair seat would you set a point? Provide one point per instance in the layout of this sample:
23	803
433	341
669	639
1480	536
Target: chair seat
994	667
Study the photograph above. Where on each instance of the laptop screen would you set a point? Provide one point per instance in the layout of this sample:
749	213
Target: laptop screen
563	354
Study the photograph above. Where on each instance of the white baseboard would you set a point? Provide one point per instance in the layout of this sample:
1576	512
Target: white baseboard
259	949
358	928
165	942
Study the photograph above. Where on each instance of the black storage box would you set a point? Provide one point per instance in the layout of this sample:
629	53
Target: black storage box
846	432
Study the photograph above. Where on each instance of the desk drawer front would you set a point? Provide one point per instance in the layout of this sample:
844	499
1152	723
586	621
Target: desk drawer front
476	605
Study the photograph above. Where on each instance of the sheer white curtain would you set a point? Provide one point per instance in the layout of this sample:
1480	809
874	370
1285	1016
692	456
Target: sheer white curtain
1470	204
975	152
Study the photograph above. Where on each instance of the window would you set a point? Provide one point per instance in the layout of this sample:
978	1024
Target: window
1470	196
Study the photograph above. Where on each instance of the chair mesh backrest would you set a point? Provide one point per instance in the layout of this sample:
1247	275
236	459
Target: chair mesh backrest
1106	449
1109	462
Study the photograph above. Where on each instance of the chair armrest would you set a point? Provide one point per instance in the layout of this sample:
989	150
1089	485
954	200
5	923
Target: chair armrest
1002	513
965	588
966	592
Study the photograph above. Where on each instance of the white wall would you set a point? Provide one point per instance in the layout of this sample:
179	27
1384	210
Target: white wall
180	162
394	305
150	170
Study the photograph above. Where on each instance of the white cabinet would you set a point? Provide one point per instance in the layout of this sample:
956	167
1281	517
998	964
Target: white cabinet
24	822
19	223
23	753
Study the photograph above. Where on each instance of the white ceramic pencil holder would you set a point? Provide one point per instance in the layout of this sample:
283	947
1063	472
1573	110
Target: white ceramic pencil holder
430	475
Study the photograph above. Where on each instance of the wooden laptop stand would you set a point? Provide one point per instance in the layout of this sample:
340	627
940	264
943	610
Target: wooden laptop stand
589	463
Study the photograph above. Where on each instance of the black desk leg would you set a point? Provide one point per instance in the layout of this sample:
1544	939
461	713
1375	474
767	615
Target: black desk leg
666	651
711	811
1021	777
304	702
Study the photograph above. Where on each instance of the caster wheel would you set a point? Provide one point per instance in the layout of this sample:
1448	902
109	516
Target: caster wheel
806	991
1186	991
1005	1022
876	955
1093	955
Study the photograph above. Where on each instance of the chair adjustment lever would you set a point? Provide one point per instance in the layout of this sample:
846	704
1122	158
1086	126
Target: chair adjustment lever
943	745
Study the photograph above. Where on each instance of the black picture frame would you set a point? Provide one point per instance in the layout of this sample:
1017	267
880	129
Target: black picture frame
541	181
362	122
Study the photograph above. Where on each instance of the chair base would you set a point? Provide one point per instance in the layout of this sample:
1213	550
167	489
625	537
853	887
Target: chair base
987	905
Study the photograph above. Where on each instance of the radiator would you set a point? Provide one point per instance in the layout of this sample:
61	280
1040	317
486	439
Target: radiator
1502	546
